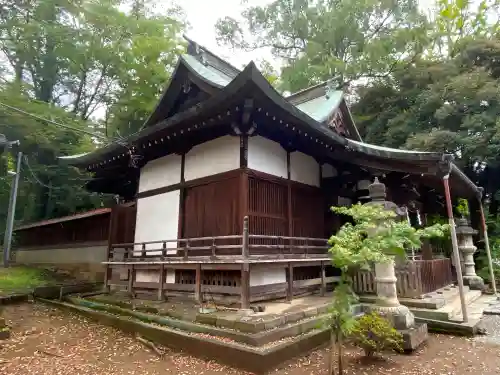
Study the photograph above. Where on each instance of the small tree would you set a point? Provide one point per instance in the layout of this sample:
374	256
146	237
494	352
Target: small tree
375	237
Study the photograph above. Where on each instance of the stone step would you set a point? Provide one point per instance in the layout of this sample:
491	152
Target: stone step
451	307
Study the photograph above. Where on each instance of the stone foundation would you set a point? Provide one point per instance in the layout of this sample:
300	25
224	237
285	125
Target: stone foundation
82	262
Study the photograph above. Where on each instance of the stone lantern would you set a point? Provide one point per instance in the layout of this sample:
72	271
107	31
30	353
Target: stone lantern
467	249
387	302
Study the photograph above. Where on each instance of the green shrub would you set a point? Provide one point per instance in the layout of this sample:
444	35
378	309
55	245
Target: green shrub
373	333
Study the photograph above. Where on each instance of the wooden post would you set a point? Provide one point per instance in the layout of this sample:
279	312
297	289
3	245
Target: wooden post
245	251
289	280
161	297
323	279
454	243
487	246
245	286
131	276
197	285
245	268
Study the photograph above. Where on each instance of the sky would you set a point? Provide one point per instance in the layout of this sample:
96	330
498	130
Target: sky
202	16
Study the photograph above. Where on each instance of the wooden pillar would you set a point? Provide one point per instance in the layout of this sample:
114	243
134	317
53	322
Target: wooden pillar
197	285
323	279
454	242
161	297
182	200
484	228
289	215
131	277
245	267
289	280
245	286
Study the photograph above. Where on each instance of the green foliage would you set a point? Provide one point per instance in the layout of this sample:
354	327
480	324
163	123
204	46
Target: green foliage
339	40
376	236
482	259
22	278
448	104
86	64
463	207
374	333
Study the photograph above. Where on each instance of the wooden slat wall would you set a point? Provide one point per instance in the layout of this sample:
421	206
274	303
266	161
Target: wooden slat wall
122	226
267	207
213	209
89	229
307	212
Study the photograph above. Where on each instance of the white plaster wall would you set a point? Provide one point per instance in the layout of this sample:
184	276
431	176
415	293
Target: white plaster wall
304	168
157	219
267	156
262	276
209	158
160	172
145	276
328	170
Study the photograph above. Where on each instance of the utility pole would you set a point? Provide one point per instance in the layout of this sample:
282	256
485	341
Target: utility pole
12	203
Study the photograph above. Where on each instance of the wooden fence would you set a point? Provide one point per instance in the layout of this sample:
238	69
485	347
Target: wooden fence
414	279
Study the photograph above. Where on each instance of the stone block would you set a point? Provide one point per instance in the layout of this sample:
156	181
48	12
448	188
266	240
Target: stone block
2	323
311	312
225	322
414	337
209	319
274	323
293	317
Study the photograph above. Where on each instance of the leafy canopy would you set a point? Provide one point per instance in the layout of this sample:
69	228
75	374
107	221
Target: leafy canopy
342	40
376	236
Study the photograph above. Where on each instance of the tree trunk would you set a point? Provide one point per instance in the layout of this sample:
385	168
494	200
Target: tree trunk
340	353
332	353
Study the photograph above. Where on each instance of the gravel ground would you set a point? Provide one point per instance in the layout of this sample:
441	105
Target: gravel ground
47	341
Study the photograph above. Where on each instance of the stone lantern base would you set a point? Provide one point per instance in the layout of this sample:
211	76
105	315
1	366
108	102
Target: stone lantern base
474	282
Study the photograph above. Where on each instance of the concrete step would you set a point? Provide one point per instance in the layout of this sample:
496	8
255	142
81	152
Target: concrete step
451	308
476	308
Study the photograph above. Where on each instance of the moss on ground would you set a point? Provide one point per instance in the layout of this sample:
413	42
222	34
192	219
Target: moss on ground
21	279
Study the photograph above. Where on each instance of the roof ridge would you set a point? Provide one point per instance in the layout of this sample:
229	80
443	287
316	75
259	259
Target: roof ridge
197	50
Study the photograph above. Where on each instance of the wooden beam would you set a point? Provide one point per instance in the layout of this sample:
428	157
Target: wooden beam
243	151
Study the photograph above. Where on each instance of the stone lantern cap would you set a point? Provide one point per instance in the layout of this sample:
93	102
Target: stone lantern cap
465	230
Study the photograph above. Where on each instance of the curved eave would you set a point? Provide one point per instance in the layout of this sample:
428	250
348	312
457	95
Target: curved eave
395	154
237	89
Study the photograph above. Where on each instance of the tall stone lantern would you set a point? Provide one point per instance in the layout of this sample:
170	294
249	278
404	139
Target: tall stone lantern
387	302
467	249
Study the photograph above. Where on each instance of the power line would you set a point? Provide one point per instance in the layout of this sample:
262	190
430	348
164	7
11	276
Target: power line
121	141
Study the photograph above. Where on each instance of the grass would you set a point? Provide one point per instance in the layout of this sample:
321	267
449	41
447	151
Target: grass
15	279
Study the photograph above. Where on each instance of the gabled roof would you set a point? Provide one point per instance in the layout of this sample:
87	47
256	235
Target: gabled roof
305	111
319	102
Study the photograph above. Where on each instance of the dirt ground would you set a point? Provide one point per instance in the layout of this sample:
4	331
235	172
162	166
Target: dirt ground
47	341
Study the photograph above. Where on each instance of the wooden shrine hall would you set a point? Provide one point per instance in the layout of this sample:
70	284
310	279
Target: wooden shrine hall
226	191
